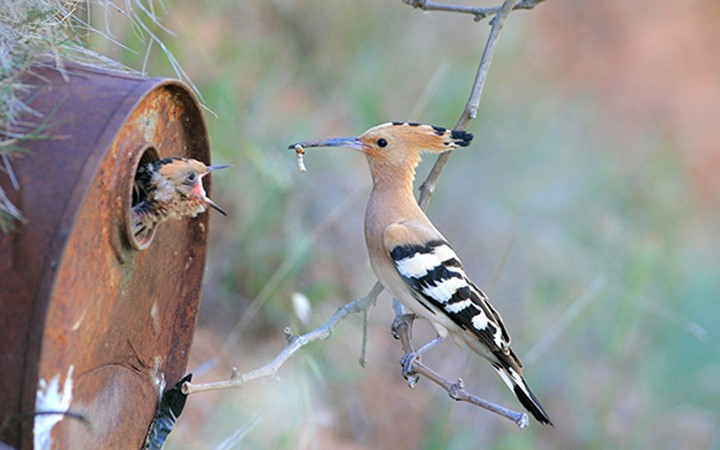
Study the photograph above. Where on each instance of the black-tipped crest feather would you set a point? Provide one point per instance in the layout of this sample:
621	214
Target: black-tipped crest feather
461	138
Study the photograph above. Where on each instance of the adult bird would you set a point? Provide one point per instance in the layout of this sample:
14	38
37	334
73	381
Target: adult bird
414	261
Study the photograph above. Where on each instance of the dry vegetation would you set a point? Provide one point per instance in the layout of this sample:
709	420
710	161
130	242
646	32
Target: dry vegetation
48	33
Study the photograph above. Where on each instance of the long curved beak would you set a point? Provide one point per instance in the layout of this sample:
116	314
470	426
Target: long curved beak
348	142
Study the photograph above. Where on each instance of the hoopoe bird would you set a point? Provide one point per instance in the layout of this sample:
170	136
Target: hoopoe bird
413	260
167	189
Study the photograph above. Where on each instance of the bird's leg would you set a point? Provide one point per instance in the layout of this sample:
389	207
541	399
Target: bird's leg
429	345
409	359
402	330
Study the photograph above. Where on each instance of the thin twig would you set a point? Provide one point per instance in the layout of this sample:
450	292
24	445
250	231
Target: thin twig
366	322
294	344
478	12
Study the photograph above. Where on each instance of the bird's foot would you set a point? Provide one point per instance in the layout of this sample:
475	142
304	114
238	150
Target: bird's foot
410	358
408	372
455	389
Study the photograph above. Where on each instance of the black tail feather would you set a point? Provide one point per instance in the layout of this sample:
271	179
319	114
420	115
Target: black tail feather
514	380
532	404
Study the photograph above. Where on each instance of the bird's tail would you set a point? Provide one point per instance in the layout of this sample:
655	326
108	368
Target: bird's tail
522	391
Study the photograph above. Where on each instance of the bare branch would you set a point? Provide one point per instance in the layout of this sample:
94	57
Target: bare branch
294	344
402	328
366	321
478	12
471	108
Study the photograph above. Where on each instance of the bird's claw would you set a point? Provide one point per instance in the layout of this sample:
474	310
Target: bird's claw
408	372
455	389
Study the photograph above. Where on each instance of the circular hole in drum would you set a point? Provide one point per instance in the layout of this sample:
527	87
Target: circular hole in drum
138	236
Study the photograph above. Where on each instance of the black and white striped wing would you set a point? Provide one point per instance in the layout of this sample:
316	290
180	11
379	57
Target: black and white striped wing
436	276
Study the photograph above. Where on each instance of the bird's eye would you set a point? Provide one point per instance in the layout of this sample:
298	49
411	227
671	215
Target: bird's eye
190	177
382	143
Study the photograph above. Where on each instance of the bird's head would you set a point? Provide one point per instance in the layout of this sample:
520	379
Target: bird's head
183	178
398	144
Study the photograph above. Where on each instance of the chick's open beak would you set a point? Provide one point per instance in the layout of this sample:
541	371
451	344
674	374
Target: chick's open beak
202	193
215	206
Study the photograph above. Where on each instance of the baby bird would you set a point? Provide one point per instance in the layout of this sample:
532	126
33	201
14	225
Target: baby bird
169	188
414	261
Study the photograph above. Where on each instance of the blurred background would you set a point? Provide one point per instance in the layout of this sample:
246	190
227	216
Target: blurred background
588	207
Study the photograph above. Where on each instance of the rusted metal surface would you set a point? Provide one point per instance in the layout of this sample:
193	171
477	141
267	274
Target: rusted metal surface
74	292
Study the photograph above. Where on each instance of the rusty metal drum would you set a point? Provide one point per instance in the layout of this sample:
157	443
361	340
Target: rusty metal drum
89	317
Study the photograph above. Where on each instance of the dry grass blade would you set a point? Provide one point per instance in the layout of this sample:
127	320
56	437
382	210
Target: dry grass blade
569	316
55	30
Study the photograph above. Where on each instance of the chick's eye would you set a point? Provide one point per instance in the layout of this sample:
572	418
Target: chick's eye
190	177
382	143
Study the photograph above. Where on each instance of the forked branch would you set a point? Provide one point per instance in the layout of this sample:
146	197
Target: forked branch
294	343
478	12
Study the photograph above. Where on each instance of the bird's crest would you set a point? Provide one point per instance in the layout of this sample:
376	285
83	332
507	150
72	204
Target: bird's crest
411	135
431	136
